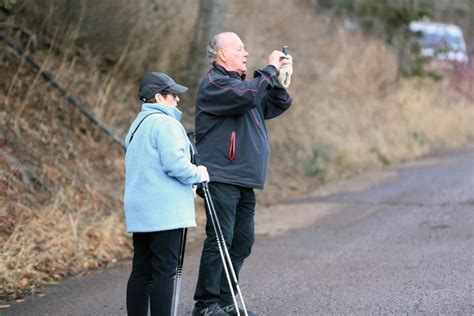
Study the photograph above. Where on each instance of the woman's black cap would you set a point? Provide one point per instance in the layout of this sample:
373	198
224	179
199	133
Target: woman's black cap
158	82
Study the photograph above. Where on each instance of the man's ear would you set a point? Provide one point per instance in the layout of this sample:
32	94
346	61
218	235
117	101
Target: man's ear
221	54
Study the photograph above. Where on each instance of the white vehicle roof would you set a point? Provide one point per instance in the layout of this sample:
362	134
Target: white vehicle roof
436	27
440	31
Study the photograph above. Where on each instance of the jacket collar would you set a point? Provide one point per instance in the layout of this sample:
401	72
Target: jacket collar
156	107
224	71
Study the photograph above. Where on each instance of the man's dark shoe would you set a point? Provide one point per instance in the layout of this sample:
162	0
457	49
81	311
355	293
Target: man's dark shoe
230	309
208	310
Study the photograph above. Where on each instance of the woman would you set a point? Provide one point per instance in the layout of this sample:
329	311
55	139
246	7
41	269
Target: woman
159	200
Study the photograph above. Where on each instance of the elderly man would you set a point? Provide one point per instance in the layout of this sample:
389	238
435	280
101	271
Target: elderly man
232	140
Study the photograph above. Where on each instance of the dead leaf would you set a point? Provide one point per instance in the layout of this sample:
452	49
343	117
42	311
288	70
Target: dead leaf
24	282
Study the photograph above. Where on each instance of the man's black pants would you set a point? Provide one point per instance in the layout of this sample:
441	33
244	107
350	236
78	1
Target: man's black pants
235	208
155	259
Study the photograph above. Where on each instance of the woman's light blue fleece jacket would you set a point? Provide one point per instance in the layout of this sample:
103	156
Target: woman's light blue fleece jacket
158	172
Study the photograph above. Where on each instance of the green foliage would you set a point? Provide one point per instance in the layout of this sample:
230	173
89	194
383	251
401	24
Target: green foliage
389	19
416	69
315	167
380	155
419	137
414	66
7	4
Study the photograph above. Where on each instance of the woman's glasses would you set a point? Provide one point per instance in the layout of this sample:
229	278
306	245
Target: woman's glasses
175	96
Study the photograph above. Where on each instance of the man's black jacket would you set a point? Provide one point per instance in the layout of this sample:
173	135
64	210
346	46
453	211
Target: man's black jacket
231	136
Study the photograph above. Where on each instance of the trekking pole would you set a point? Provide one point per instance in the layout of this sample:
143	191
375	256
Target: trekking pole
225	256
207	197
179	273
221	245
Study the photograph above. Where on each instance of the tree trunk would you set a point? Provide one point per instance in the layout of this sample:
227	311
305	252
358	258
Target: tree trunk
210	22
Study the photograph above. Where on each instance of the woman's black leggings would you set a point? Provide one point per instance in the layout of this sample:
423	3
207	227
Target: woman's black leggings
155	259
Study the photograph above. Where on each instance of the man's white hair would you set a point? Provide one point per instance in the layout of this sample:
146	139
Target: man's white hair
212	49
214	44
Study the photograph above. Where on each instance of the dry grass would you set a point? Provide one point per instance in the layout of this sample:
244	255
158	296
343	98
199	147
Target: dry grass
118	41
81	241
61	181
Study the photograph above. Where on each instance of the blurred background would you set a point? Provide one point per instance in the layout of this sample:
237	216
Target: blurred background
375	82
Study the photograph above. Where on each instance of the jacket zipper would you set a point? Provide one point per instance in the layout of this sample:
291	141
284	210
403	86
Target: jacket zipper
232	146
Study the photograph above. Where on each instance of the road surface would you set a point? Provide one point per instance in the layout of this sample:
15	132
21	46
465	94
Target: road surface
393	241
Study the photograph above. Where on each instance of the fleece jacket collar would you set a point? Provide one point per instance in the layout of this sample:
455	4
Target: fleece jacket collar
168	110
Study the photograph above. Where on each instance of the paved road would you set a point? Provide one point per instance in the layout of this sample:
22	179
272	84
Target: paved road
397	241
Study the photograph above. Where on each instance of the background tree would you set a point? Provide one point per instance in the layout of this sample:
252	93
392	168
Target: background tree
6	4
